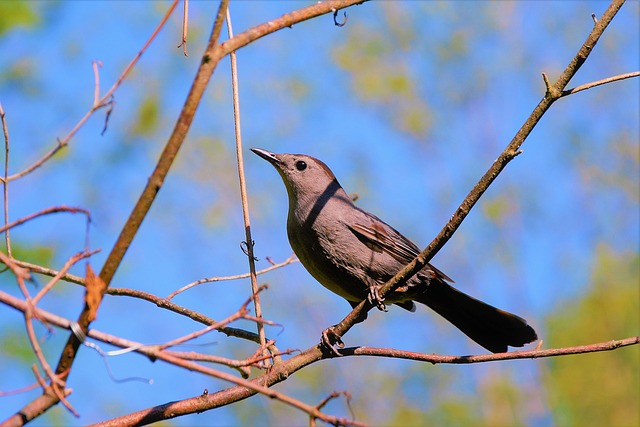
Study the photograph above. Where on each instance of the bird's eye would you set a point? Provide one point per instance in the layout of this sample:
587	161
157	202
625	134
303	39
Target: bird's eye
301	165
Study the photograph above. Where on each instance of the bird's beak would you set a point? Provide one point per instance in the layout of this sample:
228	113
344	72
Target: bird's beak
267	155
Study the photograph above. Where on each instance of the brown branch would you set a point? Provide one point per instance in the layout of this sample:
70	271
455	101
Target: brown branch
105	100
149	351
168	155
243	190
599	82
274	266
198	317
20	390
241	313
282	371
47	211
256	386
553	93
5	132
481	358
74	259
335	394
185	27
285	21
134	293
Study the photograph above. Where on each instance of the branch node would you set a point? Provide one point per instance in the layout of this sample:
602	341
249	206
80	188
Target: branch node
245	248
551	93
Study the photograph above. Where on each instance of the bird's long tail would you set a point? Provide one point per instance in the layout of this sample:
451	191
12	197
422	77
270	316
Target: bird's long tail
492	328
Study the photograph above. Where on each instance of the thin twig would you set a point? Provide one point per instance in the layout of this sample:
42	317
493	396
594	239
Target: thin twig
481	358
96	81
61	143
57	384
5	131
288	261
239	314
243	188
72	278
185	27
22	274
70	263
20	390
47	211
599	82
158	301
334	395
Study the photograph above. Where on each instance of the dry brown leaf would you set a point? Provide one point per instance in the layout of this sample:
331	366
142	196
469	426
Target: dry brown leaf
95	290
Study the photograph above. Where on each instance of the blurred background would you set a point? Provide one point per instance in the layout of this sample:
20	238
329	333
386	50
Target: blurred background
409	103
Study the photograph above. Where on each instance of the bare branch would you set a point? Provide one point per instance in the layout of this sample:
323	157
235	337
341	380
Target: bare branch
5	181
334	395
47	211
97	103
288	261
481	358
243	188
283	370
553	93
185	27
74	259
599	82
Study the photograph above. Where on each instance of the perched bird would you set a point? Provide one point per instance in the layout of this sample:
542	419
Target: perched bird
353	253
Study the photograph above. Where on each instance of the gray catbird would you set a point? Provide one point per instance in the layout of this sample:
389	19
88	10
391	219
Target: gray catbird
352	253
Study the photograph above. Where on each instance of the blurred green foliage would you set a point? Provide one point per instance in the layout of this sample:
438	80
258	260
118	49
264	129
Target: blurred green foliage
17	13
146	123
375	56
600	389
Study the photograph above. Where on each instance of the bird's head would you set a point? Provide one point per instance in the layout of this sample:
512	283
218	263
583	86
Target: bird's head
306	178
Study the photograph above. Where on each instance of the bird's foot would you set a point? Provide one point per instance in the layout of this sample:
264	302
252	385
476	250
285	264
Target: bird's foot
329	341
375	299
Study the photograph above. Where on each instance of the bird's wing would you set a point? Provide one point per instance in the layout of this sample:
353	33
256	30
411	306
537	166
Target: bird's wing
380	237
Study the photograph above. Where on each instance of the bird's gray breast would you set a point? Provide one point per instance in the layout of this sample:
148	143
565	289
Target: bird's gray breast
328	249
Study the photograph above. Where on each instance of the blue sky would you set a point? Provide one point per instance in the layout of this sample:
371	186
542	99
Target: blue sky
560	198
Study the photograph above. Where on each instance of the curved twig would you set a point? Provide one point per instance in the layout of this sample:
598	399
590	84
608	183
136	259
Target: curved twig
599	82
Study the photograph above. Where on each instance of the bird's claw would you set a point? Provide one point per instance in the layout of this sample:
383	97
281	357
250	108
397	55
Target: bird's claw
329	341
375	299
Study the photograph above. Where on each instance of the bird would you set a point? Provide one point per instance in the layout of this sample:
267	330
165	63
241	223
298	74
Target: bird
352	253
